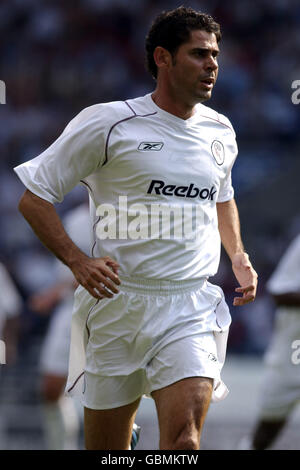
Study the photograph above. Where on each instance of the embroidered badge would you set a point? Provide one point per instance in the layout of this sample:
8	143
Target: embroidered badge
218	151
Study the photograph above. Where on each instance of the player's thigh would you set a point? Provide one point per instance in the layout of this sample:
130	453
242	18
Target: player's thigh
109	429
181	409
110	404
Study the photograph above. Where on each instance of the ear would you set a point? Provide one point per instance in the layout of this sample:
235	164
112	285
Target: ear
162	57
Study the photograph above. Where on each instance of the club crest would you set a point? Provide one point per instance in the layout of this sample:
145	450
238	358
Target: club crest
218	151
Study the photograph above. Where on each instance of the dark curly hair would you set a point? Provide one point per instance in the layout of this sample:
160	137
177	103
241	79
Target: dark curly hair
172	28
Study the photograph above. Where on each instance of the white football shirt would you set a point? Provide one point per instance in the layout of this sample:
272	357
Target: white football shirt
154	180
286	277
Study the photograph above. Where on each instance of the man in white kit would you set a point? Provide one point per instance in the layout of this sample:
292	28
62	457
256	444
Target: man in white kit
10	310
146	321
280	391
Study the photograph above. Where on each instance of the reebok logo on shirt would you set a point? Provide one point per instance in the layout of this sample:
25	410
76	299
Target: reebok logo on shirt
160	187
151	146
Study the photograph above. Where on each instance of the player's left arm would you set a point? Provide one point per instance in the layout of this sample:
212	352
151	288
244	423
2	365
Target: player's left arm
230	232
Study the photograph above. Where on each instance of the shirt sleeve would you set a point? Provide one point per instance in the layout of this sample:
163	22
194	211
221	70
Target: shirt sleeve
226	192
286	277
77	153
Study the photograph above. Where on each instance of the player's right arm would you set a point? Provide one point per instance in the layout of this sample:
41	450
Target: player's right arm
97	275
78	152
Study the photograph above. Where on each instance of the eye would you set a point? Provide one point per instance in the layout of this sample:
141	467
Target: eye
200	53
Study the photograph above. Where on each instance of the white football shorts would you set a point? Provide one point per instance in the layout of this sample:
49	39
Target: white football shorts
148	336
281	382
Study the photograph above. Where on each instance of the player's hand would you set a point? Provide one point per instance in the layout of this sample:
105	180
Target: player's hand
99	276
247	278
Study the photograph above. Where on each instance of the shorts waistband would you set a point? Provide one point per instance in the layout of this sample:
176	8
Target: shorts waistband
160	286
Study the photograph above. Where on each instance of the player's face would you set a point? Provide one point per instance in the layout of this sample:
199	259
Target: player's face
194	68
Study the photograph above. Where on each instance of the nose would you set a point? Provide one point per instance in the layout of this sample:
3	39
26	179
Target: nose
211	63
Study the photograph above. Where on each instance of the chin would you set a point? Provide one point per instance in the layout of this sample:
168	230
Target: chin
203	96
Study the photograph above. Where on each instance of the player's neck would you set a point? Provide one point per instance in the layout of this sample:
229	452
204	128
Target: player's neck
172	104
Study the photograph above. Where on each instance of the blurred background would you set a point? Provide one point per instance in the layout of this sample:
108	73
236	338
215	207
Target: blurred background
58	57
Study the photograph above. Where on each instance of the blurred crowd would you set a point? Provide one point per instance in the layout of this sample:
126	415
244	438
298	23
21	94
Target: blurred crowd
57	57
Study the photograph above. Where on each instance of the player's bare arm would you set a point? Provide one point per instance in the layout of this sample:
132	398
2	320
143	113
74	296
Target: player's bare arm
229	228
99	276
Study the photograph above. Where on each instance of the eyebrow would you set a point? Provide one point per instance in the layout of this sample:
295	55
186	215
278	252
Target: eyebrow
205	49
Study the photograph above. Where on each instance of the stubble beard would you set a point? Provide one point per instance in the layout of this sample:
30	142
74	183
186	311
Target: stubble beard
201	96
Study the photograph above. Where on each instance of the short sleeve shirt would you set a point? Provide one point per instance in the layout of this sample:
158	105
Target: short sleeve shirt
154	180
